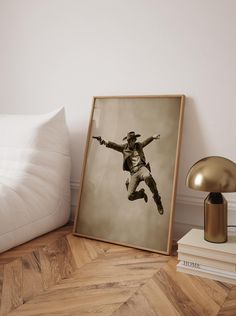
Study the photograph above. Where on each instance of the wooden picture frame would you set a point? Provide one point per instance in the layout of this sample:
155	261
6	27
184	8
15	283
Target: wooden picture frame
133	131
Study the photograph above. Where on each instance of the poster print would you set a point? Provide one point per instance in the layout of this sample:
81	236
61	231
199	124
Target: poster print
129	177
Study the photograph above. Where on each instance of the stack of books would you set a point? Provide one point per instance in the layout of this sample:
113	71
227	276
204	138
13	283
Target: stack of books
205	259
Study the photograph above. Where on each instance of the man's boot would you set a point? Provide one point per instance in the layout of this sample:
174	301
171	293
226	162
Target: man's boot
144	195
138	195
157	200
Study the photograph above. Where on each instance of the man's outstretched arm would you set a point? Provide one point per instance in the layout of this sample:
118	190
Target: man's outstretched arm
150	139
109	144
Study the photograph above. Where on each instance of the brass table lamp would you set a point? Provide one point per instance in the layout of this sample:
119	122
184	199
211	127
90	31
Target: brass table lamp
215	175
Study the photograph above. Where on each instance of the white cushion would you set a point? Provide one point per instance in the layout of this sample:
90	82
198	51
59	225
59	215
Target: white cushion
34	176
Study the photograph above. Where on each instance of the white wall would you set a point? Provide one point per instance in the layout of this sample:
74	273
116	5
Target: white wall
62	52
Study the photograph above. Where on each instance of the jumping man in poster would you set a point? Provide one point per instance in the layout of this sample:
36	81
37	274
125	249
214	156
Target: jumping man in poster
134	161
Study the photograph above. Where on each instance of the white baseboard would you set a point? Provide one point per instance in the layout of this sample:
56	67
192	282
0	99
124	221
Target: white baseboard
75	186
188	211
198	201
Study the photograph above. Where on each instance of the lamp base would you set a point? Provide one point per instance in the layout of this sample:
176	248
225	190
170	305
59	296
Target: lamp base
215	218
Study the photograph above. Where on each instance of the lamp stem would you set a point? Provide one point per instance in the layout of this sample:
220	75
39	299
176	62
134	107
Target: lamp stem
215	218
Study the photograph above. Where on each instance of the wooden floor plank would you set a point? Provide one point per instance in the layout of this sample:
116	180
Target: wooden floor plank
158	299
12	295
32	282
79	300
229	306
1	284
136	305
57	262
83	250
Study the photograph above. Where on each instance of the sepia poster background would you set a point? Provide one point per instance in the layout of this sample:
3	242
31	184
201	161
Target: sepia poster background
105	211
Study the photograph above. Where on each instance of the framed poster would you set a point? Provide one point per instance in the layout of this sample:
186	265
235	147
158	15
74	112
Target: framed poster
128	185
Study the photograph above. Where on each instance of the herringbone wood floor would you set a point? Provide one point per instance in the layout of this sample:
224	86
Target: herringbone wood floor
60	274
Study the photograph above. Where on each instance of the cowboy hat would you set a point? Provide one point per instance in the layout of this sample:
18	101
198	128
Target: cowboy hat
131	135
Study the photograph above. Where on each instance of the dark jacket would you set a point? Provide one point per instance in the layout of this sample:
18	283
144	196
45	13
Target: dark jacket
124	149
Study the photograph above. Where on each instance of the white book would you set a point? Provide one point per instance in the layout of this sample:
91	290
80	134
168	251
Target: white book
207	272
193	243
199	260
206	268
